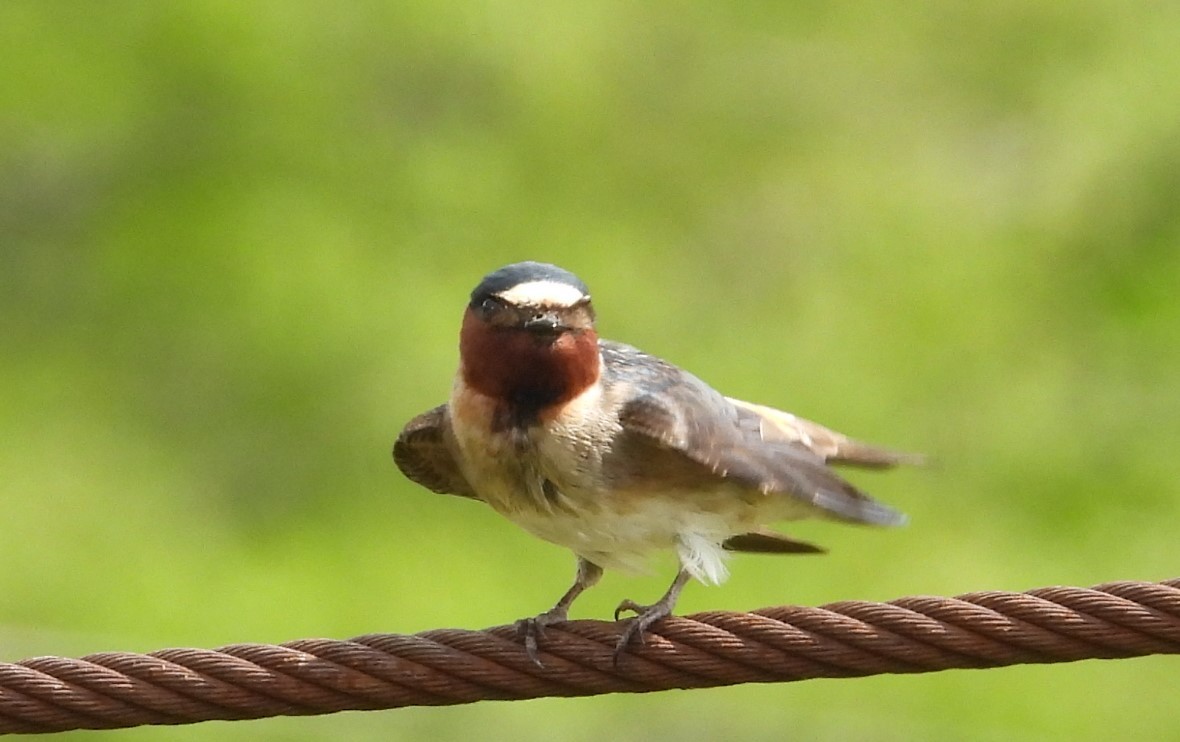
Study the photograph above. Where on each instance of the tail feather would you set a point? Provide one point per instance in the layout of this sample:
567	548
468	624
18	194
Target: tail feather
769	542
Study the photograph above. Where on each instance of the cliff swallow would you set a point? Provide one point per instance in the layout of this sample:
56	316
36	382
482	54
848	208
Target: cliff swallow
614	454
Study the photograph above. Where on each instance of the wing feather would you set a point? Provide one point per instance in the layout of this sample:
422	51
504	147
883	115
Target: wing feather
424	454
832	447
679	414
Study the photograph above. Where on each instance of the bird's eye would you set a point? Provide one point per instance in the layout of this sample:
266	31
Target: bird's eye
489	305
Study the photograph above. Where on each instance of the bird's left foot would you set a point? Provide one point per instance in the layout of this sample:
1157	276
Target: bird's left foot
645	616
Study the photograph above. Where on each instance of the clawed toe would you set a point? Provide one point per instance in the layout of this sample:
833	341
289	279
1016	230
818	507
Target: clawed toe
630	605
531	630
528	630
646	615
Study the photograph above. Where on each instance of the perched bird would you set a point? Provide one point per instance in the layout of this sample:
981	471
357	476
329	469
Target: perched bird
615	454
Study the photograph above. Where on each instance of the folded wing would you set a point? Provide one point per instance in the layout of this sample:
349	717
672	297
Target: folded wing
686	416
832	447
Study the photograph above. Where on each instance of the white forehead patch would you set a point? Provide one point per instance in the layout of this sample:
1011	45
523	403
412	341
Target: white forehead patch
542	293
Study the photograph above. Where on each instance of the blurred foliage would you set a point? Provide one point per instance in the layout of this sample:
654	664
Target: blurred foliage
235	241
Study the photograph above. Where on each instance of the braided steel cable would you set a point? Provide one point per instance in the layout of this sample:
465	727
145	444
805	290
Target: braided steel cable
452	666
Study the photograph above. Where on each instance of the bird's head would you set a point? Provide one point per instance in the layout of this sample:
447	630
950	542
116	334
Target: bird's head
528	337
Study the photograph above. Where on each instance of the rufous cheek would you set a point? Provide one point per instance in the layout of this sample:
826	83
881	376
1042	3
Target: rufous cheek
521	367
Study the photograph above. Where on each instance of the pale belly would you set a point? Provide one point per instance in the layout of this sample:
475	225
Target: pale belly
625	535
549	481
617	530
622	530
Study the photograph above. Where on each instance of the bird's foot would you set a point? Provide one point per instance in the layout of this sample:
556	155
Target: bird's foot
530	630
645	616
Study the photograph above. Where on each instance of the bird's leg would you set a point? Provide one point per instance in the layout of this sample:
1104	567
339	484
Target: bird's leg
646	615
531	629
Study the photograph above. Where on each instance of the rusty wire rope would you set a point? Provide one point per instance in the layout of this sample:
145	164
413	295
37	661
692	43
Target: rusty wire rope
451	666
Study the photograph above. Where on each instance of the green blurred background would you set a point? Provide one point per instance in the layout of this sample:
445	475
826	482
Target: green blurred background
235	242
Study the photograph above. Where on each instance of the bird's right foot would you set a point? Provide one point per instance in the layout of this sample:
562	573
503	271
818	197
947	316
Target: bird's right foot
531	630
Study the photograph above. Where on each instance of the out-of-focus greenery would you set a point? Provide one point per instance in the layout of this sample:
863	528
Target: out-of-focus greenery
235	242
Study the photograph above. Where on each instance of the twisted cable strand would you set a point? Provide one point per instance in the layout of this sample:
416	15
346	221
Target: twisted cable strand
452	666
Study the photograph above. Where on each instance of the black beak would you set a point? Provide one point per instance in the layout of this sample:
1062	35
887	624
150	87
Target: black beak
547	323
